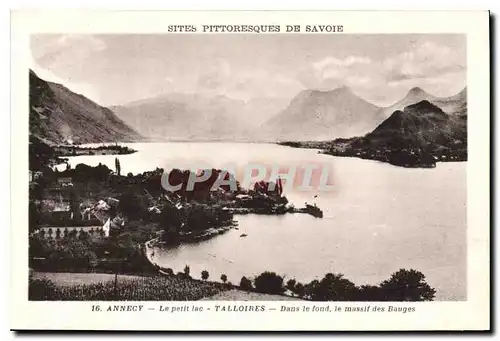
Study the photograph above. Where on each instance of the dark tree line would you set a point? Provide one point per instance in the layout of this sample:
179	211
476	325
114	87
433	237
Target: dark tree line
403	285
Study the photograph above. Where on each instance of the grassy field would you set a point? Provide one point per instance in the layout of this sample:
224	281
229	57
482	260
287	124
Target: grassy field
62	279
101	287
95	286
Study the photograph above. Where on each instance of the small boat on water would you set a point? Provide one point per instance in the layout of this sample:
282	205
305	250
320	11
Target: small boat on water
314	210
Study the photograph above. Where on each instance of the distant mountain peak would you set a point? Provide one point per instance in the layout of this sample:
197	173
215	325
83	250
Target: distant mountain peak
344	90
339	90
417	91
319	114
463	94
424	107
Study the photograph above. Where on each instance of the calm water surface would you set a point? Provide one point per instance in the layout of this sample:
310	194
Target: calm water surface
377	219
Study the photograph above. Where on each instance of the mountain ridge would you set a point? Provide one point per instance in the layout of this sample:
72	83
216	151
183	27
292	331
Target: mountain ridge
60	116
452	104
417	136
198	117
336	112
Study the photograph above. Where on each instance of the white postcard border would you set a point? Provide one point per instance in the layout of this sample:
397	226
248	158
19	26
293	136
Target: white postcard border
472	314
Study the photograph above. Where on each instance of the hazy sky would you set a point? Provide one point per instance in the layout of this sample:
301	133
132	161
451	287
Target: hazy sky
116	69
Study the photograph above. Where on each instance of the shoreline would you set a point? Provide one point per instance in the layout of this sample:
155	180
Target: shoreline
322	148
77	150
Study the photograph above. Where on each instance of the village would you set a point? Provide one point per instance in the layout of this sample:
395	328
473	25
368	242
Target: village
110	214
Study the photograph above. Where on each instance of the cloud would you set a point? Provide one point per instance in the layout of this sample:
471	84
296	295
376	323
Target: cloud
78	87
117	69
425	61
334	70
54	49
60	59
217	76
331	62
223	79
435	67
331	72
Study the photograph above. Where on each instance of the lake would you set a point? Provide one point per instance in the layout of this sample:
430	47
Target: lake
377	219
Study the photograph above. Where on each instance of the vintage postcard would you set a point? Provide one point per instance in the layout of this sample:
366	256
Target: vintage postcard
260	170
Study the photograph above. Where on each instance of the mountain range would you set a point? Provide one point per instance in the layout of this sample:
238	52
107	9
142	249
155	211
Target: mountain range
417	136
456	104
59	116
420	125
310	115
324	115
192	116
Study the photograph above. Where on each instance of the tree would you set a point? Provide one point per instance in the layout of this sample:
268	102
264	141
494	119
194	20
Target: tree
300	290
290	285
407	285
83	236
33	216
117	166
369	293
187	270
223	278
269	283
246	284
204	275
333	287
132	205
72	234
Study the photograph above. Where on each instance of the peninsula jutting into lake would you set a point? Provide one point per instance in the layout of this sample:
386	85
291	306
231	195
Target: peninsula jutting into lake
332	171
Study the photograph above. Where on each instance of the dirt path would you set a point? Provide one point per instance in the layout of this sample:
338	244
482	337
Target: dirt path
239	295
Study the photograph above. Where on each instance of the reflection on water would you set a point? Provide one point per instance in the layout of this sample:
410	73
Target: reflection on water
377	219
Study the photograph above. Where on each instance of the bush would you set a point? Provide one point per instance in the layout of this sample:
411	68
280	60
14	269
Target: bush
246	284
300	290
333	287
269	283
40	289
369	293
132	206
290	285
407	285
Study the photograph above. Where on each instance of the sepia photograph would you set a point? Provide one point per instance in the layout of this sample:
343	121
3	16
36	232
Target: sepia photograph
347	155
300	172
